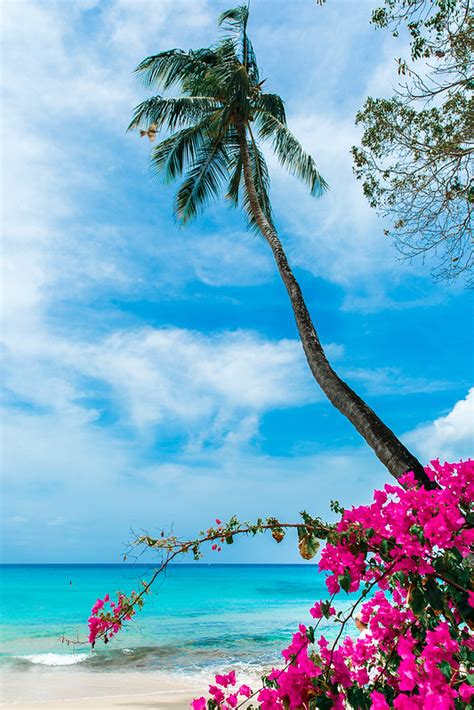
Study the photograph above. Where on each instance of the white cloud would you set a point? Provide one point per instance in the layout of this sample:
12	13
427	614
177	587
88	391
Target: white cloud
337	236
64	117
70	85
70	197
391	380
450	437
176	376
98	490
231	259
139	28
210	386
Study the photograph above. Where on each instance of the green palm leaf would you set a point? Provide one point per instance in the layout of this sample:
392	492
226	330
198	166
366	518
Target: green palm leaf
235	20
171	113
166	69
172	156
272	104
290	152
203	182
233	189
261	180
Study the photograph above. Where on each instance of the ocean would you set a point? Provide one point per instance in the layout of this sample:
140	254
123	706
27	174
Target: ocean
199	618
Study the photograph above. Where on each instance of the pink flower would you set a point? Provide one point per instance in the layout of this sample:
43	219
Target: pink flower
320	609
226	680
466	692
316	611
217	694
245	691
199	704
404	702
269	700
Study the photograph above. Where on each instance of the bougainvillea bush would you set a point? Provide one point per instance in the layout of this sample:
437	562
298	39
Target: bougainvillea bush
407	556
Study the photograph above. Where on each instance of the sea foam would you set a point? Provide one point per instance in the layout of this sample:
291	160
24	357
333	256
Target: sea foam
56	659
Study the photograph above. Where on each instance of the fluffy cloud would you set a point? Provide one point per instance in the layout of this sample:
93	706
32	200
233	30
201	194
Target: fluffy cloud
450	437
167	379
65	150
338	236
98	490
90	390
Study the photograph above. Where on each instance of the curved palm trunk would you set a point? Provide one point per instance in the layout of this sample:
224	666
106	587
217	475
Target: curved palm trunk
391	452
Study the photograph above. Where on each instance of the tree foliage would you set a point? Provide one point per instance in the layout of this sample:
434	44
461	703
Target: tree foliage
416	153
220	91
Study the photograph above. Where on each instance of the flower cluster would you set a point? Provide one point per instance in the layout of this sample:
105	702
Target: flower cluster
407	556
219	698
106	622
405	528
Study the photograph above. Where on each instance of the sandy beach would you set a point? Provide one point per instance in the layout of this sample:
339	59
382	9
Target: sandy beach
79	690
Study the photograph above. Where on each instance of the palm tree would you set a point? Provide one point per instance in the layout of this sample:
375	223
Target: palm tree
214	128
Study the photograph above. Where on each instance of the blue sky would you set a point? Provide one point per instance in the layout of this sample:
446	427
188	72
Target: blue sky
152	375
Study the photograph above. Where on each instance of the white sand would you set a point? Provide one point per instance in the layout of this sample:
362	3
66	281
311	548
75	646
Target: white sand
78	690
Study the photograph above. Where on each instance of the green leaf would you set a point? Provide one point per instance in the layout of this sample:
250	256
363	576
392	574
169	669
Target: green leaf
446	669
417	600
172	113
290	152
359	698
345	580
173	66
173	155
203	181
434	595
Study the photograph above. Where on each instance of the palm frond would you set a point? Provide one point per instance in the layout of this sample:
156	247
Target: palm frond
272	104
203	182
228	79
215	80
235	165
172	67
173	112
236	18
219	91
233	188
290	152
235	21
172	156
261	180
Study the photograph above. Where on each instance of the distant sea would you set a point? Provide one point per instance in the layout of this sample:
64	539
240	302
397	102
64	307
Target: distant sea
201	617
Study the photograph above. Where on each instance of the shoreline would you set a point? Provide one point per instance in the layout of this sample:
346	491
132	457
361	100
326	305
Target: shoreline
74	689
54	688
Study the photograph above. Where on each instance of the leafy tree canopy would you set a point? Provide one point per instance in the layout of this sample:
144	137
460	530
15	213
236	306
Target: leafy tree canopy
416	157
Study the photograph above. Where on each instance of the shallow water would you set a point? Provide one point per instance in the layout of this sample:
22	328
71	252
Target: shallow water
199	616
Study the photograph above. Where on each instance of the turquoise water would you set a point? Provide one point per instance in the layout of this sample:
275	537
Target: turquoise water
198	617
